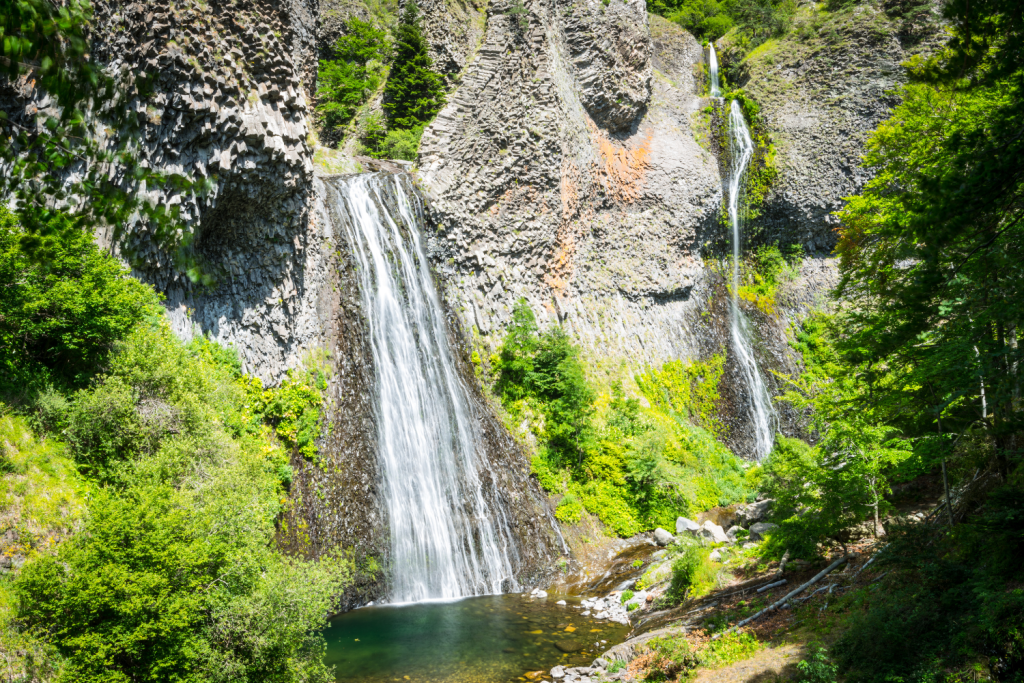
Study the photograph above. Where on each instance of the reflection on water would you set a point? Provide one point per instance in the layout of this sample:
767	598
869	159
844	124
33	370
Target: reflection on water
477	640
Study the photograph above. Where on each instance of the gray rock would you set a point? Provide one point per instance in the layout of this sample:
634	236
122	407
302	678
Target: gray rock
715	556
558	672
731	533
662	537
560	602
713	533
684	525
599	664
757	531
754	512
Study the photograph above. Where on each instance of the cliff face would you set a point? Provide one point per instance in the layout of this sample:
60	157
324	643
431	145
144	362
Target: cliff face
822	89
566	170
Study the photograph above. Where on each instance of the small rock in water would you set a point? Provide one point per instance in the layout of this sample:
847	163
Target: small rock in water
558	672
586	614
569	646
541	594
560	602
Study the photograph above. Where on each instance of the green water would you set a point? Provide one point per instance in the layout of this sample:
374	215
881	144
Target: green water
477	640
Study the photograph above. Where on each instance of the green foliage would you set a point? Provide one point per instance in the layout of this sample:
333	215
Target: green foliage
520	14
844	479
626	596
693	573
570	509
954	599
353	74
670	656
175	575
687	389
817	668
89	128
414	93
401	144
60	317
763	271
755	21
292	408
634	468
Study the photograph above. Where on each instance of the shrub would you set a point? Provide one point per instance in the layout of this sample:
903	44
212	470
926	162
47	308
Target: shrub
63	308
817	668
570	509
692	574
626	596
401	144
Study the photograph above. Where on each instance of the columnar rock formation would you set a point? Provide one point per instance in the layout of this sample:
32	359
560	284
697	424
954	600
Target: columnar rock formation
567	169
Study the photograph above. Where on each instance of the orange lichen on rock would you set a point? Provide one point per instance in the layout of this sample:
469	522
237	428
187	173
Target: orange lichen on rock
621	168
560	264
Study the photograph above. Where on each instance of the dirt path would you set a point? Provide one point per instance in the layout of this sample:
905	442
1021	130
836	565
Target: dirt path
767	666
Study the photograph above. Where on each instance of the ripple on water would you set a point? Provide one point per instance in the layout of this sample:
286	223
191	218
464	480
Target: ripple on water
477	640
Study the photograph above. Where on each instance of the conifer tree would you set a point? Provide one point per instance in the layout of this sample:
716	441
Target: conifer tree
414	92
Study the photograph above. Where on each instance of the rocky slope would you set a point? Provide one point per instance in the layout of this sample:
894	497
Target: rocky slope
822	89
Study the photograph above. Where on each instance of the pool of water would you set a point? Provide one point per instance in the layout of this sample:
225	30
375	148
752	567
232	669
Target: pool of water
489	639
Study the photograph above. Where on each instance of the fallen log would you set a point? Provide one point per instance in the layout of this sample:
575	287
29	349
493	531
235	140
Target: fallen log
774	606
762	589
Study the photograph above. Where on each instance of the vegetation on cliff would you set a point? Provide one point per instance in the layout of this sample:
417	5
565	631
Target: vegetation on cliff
364	59
634	466
142	501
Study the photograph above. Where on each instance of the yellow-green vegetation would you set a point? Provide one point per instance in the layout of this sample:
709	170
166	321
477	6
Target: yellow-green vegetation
635	467
678	657
693	572
143	499
764	271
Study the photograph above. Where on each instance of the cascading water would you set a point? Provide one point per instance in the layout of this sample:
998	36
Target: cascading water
763	417
446	541
716	90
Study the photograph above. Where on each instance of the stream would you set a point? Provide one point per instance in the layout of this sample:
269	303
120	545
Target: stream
485	639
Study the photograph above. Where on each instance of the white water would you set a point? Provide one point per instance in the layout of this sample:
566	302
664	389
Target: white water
762	415
446	542
716	90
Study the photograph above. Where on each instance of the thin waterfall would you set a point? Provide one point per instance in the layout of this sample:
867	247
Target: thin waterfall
763	417
716	90
446	541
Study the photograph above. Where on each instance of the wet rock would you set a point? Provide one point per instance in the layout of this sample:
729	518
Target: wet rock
662	537
560	602
757	531
569	646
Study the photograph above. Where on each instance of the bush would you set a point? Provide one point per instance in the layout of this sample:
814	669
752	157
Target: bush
692	574
626	596
402	144
63	308
570	509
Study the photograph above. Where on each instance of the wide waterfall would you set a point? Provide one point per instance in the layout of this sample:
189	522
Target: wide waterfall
446	540
763	417
716	90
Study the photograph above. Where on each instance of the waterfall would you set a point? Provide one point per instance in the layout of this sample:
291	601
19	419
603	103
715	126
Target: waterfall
716	90
446	541
763	418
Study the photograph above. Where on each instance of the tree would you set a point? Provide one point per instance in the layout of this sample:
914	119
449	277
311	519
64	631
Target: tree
353	74
60	317
71	147
414	94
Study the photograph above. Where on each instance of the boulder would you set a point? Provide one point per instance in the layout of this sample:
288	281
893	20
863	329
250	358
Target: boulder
599	664
662	537
558	672
755	512
722	516
713	532
758	530
684	525
715	556
731	533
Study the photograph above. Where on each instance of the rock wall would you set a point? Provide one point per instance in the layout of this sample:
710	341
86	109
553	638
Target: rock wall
822	89
567	170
